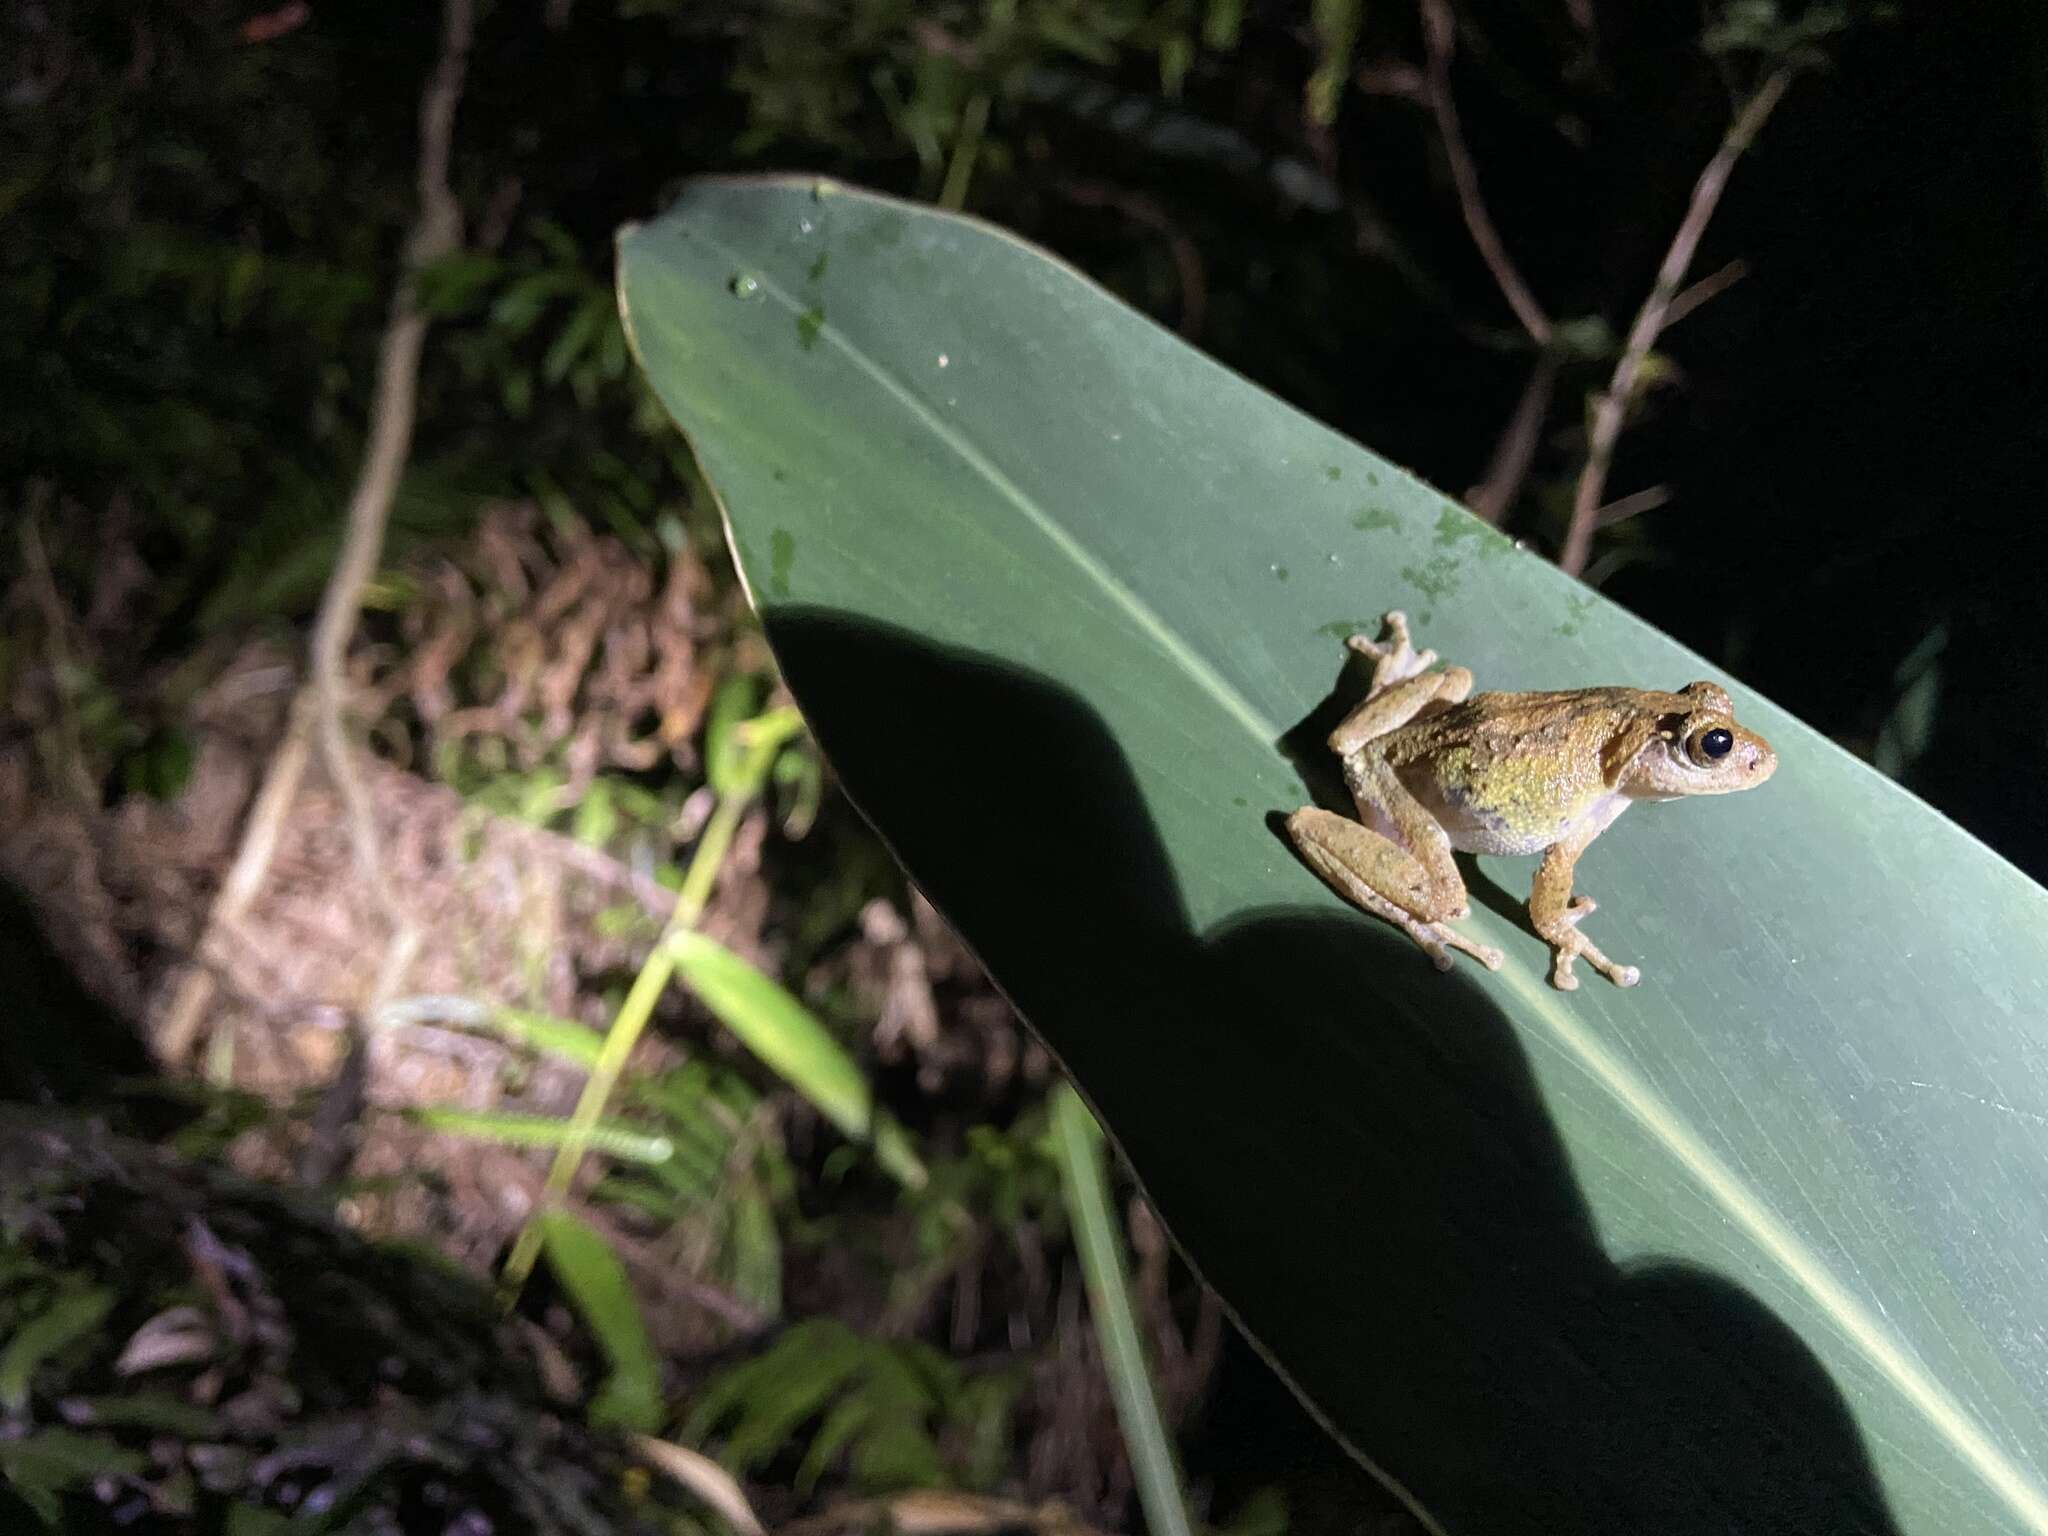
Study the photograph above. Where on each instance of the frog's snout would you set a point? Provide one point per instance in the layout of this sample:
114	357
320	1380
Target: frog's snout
1758	761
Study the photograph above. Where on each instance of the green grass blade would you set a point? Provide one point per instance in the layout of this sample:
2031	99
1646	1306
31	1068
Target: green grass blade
1099	1238
73	1313
784	1034
596	1282
564	1039
624	1142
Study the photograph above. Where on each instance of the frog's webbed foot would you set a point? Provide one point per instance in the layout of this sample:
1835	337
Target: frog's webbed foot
1395	659
1570	944
1435	940
1354	861
1556	913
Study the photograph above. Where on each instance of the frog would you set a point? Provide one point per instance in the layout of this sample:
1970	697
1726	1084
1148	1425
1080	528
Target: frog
1434	767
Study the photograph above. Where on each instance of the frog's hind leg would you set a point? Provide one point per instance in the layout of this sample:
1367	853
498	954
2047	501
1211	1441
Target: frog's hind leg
1411	883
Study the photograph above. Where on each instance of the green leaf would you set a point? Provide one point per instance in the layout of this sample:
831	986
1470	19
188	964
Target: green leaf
516	309
1336	27
875	1402
567	1040
770	1396
592	1275
516	1129
45	1464
575	337
730	707
787	1036
1222	20
74	1313
149	1410
756	1253
1760	1244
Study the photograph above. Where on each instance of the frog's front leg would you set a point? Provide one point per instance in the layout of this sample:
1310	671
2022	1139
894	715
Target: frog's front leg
1395	659
1555	915
1415	887
1391	706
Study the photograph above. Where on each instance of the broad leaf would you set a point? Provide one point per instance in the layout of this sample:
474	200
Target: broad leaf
595	1280
1760	1245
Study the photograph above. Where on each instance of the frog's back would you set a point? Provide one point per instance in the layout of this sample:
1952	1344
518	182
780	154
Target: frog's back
1510	773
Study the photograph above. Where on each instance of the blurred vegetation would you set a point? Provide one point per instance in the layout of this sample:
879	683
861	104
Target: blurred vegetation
203	206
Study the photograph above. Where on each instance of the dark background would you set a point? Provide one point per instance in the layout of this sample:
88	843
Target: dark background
202	230
201	214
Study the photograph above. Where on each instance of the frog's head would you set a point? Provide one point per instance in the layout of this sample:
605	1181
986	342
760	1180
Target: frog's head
1698	749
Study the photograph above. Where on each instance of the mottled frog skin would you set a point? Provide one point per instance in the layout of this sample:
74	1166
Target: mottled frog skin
1434	767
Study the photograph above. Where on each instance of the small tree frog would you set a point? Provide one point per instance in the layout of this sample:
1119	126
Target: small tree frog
1435	767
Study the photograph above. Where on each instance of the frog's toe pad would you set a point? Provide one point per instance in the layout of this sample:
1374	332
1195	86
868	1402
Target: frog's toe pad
1627	976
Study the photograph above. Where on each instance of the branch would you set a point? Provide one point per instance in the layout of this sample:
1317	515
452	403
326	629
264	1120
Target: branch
1712	286
1516	449
1635	504
1142	209
1440	38
317	711
1610	408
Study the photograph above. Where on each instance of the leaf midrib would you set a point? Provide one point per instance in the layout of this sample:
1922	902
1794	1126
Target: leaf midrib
1723	1186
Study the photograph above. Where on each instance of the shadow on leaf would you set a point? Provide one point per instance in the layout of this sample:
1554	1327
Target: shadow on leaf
1349	1145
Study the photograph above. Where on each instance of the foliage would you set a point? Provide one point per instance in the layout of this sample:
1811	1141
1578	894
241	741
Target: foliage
1098	1241
596	1281
189	1352
1058	571
203	215
721	1198
785	1035
889	1408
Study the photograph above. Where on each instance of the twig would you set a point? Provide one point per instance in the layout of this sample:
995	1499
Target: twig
316	712
1440	38
1610	408
1632	505
703	1477
1516	448
1140	208
70	771
760	740
1708	288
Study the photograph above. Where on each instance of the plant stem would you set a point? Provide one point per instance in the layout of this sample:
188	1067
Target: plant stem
316	714
966	150
763	739
1610	409
1440	36
1077	1144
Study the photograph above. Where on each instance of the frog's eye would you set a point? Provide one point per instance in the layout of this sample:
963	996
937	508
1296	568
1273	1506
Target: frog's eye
1712	746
